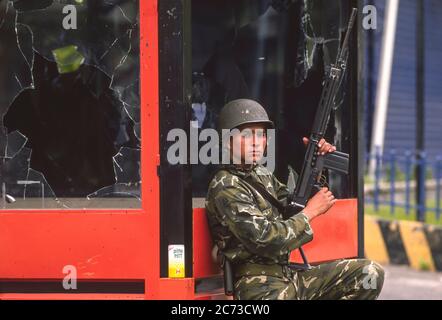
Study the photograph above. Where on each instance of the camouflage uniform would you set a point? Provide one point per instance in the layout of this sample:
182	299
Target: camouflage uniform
254	237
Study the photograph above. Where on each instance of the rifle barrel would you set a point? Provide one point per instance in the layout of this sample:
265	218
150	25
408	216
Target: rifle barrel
351	21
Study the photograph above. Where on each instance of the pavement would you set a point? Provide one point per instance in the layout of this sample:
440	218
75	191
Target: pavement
404	283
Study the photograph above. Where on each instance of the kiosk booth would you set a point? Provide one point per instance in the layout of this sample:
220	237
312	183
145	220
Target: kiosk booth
90	206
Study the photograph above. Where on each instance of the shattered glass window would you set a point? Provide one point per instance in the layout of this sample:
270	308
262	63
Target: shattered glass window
69	104
275	52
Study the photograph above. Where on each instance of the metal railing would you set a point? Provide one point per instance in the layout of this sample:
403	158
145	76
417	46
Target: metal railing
397	181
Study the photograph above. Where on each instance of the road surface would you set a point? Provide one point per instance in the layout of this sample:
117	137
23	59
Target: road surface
403	283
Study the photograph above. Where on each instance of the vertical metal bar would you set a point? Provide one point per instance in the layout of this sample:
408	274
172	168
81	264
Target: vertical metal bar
420	106
392	180
408	162
438	170
42	195
421	199
377	176
4	195
371	82
175	92
424	184
357	114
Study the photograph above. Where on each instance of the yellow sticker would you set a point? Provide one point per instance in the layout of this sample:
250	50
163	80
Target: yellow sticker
176	261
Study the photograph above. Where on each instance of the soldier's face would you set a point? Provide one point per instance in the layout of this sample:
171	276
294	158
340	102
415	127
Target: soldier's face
249	144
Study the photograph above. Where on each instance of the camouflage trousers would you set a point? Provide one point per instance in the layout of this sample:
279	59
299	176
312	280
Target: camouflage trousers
344	279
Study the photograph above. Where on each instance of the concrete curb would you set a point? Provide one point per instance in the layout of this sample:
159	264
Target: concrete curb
410	243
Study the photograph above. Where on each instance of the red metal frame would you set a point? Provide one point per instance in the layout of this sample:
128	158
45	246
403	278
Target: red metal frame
102	244
125	244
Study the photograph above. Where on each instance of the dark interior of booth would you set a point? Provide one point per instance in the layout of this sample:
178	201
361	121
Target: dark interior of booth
277	53
70	104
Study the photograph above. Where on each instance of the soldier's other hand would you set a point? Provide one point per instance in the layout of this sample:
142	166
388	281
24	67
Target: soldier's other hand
319	204
324	146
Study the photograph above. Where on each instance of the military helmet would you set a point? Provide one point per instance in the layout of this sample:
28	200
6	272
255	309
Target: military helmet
242	111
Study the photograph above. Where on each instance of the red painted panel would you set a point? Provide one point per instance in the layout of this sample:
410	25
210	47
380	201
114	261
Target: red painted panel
150	153
335	236
100	246
202	246
176	289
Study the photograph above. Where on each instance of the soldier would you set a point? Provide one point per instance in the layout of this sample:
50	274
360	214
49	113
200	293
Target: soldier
254	237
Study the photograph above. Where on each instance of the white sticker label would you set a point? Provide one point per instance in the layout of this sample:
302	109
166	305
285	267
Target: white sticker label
176	261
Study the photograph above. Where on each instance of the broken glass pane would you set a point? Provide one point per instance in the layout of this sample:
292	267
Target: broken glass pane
124	170
273	51
23	186
3	10
15	142
70	102
16	74
128	177
37	188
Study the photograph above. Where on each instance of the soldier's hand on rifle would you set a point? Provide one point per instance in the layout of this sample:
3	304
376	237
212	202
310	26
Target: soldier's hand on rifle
319	203
324	146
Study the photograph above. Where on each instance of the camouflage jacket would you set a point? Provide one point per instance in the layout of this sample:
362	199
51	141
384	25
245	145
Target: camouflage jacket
245	226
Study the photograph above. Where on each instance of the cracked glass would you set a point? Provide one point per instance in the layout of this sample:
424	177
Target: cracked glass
276	52
69	104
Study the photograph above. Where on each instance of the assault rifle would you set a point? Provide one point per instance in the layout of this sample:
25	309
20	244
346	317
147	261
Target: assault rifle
314	164
308	181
